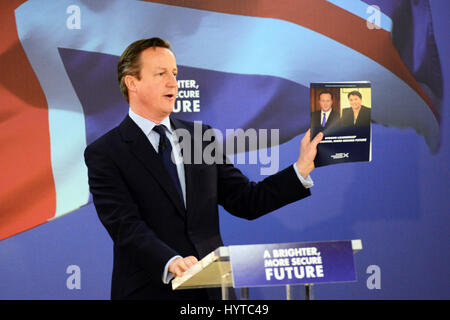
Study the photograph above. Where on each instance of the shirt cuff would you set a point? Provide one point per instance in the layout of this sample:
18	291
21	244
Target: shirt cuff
167	276
307	183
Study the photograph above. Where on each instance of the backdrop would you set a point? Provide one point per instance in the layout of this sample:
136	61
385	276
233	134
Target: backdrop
245	64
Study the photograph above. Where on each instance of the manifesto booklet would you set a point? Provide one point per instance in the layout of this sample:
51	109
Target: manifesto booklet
342	111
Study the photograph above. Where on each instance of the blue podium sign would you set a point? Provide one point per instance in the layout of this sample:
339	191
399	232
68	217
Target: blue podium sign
292	263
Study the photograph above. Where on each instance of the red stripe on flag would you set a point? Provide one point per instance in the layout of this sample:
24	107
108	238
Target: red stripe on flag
27	192
323	17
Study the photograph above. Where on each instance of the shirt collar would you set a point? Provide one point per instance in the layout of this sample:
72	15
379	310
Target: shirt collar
147	125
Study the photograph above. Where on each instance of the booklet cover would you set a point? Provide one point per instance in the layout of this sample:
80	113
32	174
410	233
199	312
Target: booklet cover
342	111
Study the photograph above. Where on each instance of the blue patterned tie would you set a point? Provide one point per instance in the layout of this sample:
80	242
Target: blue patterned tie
165	152
324	121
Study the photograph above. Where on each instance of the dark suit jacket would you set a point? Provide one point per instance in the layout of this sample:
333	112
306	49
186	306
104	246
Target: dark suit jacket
139	206
316	120
362	120
330	125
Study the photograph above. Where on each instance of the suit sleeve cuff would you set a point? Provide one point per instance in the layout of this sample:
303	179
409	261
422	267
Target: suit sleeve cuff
307	183
167	276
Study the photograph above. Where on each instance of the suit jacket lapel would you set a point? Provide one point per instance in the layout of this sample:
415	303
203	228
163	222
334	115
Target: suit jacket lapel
144	151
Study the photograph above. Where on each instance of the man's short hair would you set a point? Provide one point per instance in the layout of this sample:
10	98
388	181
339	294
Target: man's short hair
129	62
354	93
326	92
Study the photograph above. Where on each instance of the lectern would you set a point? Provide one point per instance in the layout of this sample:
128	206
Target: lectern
278	264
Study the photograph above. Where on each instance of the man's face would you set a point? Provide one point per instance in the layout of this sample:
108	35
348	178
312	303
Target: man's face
157	89
355	102
325	102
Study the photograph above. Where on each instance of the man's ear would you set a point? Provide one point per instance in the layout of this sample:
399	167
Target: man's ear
130	82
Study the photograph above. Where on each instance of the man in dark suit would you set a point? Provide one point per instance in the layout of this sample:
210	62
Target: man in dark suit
326	117
357	115
163	215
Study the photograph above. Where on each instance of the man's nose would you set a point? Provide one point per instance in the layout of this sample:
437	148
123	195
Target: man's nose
172	81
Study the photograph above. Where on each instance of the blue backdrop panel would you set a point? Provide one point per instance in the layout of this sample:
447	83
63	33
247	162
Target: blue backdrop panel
397	204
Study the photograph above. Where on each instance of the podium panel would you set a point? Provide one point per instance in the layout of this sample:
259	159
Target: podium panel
283	264
278	264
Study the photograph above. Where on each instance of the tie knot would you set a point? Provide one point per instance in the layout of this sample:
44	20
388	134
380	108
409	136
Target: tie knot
163	141
159	129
